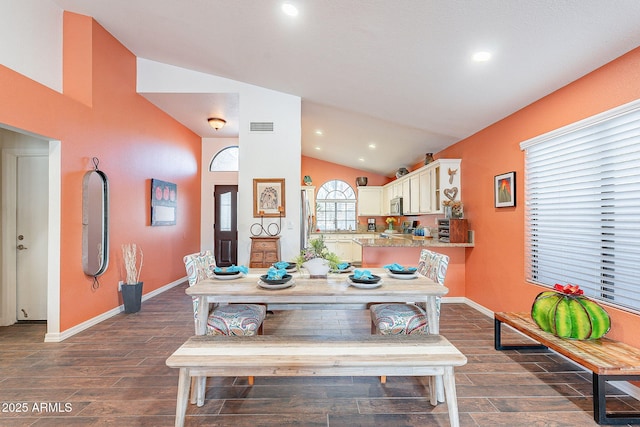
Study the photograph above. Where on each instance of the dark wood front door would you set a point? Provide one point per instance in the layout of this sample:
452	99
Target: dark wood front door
226	225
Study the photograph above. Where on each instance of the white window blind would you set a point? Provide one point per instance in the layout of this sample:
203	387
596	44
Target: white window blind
582	191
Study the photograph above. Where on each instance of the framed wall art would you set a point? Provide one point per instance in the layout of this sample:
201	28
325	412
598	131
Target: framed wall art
505	190
164	202
268	197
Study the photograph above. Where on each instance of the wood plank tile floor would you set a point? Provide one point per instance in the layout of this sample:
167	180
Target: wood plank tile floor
114	374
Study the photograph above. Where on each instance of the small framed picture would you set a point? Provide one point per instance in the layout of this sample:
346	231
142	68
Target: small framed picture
164	202
505	190
268	197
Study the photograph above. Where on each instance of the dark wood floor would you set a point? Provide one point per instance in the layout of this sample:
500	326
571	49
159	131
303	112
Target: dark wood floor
114	374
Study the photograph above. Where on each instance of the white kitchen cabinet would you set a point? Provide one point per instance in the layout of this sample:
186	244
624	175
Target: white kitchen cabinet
424	189
412	205
342	244
386	200
446	183
424	192
356	252
344	250
370	201
405	191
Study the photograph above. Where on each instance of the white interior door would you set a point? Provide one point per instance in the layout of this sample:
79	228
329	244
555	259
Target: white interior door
31	237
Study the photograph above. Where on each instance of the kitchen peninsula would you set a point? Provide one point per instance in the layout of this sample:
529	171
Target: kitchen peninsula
403	249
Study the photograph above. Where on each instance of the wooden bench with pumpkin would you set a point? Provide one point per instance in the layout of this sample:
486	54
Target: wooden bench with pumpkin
573	326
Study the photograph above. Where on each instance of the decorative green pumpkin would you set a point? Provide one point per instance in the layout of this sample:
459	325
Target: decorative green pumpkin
568	314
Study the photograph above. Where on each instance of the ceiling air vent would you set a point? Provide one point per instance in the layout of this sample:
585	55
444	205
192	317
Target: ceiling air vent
261	127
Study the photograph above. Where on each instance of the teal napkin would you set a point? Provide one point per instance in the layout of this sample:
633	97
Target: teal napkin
343	266
398	267
281	264
362	274
233	269
275	273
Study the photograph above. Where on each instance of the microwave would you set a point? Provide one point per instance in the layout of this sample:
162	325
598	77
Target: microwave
396	206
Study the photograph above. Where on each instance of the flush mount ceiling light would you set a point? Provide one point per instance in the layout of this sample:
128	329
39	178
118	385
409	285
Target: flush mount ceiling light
482	56
216	123
289	9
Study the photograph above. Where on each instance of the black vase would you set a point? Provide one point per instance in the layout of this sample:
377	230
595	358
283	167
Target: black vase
132	297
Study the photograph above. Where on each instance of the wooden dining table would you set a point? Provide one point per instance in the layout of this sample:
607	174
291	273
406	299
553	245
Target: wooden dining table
336	289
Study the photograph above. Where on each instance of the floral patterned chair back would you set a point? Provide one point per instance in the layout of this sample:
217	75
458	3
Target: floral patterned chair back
433	265
225	319
199	267
406	319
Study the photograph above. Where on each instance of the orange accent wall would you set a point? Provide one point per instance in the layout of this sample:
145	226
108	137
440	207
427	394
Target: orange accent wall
456	271
495	275
103	116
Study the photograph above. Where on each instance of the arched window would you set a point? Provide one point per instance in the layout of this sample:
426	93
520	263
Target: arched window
336	206
225	161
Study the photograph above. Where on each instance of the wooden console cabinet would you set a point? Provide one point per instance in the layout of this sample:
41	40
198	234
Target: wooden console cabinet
264	251
452	230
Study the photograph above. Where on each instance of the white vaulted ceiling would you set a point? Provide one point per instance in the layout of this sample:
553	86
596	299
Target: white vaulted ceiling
397	74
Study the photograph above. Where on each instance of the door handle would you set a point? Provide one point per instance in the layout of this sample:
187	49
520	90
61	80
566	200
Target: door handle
22	247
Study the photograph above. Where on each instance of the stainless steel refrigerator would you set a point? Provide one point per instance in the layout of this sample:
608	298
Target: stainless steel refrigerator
306	220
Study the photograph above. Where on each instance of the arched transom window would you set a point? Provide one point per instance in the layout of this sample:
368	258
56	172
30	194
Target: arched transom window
336	206
225	161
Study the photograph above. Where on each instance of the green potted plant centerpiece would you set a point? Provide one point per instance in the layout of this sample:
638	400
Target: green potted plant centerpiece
132	287
317	258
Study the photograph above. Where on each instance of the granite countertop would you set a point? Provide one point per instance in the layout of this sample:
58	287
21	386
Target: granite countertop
317	233
408	242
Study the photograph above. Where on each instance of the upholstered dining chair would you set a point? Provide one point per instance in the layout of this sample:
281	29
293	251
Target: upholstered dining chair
223	319
407	319
227	319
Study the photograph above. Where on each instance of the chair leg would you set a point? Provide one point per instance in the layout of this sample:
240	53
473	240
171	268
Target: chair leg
383	379
251	380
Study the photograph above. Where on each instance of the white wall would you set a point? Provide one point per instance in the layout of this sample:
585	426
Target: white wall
261	155
25	23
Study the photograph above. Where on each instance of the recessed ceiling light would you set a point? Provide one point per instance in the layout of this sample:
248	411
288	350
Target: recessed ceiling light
289	9
482	56
361	159
372	146
318	132
318	148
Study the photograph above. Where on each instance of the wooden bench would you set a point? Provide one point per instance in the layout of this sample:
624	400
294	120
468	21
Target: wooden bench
272	355
607	359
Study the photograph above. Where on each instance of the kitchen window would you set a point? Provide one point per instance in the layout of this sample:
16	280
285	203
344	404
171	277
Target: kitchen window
582	207
336	206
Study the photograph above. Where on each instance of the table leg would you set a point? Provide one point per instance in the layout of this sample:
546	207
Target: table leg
199	383
452	399
183	395
203	313
434	328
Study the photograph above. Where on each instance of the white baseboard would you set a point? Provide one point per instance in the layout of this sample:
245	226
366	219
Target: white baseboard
61	336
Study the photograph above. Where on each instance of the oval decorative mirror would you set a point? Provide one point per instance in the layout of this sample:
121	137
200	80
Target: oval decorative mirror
95	222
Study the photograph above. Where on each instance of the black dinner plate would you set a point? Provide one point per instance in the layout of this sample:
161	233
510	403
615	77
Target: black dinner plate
290	266
402	271
375	279
282	281
226	273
